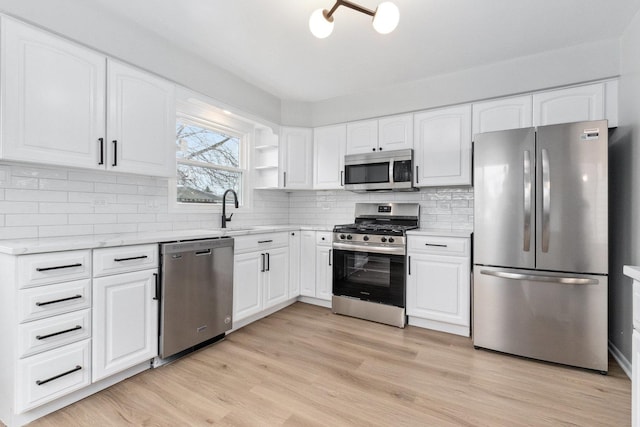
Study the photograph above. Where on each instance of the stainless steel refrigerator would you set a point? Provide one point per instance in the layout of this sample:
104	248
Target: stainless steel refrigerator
541	243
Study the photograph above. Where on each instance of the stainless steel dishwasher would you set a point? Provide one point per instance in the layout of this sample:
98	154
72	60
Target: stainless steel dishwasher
196	293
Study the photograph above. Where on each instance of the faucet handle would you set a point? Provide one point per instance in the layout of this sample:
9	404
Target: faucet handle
229	219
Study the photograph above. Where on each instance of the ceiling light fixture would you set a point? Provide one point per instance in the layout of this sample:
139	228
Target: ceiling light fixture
385	18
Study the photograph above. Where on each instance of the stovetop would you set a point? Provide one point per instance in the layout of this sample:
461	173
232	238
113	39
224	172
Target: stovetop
374	228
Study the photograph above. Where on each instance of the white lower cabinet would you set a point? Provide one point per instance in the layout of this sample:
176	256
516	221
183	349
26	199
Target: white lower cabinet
125	310
635	380
260	274
324	268
438	283
294	264
316	270
125	321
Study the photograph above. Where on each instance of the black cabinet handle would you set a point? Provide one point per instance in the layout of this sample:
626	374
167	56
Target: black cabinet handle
436	245
293	234
263	264
379	148
43	337
268	261
417	175
115	153
374	149
284	179
330	250
157	286
265	241
130	258
101	142
58	267
41	382
40	304
409	264
341	178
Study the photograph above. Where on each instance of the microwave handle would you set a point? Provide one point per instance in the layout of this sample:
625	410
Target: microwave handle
342	178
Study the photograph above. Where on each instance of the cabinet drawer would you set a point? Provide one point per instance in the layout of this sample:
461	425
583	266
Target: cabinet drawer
53	267
52	332
259	242
324	238
50	300
123	259
52	374
438	245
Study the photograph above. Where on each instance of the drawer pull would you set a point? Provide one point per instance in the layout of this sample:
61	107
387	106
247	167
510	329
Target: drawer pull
77	368
436	245
43	337
265	241
130	259
59	267
39	304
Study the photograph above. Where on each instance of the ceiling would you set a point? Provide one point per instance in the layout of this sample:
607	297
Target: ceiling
268	44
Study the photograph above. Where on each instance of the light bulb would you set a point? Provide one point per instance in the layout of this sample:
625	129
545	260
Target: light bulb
320	26
386	18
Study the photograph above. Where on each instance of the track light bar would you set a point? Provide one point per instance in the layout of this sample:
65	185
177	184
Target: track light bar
385	18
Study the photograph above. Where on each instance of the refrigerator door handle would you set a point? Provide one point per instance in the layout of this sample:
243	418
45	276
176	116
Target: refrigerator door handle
546	200
526	169
537	278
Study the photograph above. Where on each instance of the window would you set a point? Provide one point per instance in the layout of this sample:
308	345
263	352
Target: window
210	160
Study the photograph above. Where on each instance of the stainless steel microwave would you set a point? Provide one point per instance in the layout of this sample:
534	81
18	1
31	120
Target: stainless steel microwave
379	171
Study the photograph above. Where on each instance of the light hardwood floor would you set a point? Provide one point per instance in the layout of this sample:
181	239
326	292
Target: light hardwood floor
305	366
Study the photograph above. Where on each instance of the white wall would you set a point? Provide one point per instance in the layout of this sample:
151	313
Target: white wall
624	207
88	23
52	202
525	74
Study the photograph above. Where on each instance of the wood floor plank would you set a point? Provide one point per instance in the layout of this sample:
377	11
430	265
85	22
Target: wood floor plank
304	366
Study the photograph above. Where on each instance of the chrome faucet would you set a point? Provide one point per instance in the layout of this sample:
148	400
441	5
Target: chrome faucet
224	207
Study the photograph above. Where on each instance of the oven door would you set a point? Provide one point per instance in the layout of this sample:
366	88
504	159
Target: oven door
369	276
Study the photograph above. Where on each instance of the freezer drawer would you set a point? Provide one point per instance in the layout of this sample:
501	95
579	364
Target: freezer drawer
534	314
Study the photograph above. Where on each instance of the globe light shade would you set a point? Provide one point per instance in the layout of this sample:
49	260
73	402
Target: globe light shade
320	26
386	18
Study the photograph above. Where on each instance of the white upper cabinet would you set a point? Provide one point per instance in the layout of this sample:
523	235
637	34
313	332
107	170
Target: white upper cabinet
141	128
63	105
573	104
395	132
53	98
329	145
443	147
296	145
362	137
502	114
388	133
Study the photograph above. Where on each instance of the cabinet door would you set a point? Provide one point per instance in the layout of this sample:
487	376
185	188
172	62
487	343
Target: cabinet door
277	277
247	284
324	272
395	132
438	288
294	264
125	322
297	158
329	146
576	104
53	99
503	114
141	129
308	263
443	147
635	379
362	137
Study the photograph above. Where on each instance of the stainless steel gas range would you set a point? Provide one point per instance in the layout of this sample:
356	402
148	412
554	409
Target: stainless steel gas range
369	262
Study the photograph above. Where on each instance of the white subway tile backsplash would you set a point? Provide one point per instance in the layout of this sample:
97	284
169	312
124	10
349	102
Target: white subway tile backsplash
36	172
22	182
135	218
18	207
18	220
59	184
64	230
92	218
96	199
115	188
115	208
103	177
114	228
18	232
77	208
21	195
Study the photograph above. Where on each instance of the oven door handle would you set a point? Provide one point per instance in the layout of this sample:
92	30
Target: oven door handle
370	249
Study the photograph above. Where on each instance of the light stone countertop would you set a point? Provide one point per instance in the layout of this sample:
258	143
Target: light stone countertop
632	271
54	244
439	233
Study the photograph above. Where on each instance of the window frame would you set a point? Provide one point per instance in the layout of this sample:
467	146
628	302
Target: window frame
244	161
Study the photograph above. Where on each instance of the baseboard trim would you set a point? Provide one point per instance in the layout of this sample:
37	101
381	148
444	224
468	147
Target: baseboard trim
619	357
315	301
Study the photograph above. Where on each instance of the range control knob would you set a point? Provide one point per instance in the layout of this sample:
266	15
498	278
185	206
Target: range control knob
384	239
349	237
391	240
342	236
365	238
